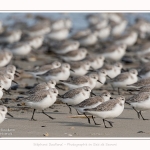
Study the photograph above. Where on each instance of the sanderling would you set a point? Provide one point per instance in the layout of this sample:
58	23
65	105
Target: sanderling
34	42
96	62
5	57
142	26
39	29
103	33
92	102
115	52
88	40
102	74
80	68
42	86
58	35
75	96
6	80
80	81
3	112
127	39
140	84
145	89
108	109
95	19
143	49
60	73
75	55
10	36
57	24
10	69
101	24
43	69
118	28
145	72
41	100
81	33
113	70
140	102
65	47
125	79
20	48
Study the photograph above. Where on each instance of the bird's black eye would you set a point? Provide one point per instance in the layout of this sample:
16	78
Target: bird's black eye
106	95
3	110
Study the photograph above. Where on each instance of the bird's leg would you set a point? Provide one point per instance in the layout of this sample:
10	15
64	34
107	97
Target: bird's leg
138	113
47	115
110	122
78	112
9	114
95	121
70	111
87	118
118	91
32	118
142	116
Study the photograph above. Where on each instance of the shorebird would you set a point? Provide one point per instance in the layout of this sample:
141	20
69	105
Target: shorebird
58	35
43	69
102	74
10	37
114	52
75	55
5	57
139	84
140	102
80	68
80	81
118	28
65	47
57	74
96	61
128	39
20	48
34	42
3	112
125	79
145	72
41	100
113	70
75	96
108	109
42	86
38	29
92	102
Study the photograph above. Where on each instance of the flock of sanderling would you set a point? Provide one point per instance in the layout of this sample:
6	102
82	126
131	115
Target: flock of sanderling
84	61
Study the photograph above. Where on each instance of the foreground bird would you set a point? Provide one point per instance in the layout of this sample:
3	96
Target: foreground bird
140	102
109	109
41	100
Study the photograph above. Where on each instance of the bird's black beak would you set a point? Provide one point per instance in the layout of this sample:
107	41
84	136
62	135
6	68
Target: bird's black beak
111	98
123	70
72	70
93	93
109	77
99	81
14	81
17	72
139	76
59	95
16	75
